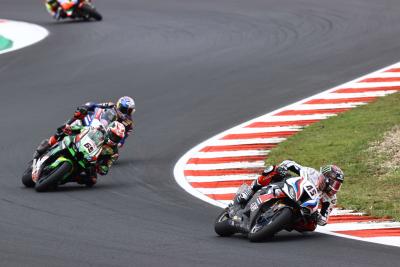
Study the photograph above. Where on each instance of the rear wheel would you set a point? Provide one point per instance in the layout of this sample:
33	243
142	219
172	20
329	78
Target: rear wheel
222	226
51	180
266	227
27	176
89	12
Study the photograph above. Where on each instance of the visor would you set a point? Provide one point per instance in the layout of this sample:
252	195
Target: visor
126	110
333	187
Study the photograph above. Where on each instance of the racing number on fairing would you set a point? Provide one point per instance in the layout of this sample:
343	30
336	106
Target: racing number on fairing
311	191
89	147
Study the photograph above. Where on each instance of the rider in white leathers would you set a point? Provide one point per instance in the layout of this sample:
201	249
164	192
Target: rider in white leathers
328	182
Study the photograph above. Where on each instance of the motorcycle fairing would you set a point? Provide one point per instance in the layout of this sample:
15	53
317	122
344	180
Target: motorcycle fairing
37	165
89	144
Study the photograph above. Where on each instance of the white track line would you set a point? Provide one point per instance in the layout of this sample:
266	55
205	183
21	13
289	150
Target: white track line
222	166
360	226
269	129
217	191
387	75
22	34
248	141
327	106
242	153
272	118
369	85
234	177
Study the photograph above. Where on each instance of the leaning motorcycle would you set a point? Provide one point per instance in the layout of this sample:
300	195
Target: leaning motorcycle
273	208
83	9
64	161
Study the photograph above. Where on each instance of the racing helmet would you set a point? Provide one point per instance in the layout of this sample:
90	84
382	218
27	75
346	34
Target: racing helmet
115	133
126	105
333	177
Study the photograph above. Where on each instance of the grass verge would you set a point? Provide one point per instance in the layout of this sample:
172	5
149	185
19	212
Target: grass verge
346	140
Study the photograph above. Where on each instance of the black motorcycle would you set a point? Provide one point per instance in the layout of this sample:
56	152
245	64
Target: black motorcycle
272	209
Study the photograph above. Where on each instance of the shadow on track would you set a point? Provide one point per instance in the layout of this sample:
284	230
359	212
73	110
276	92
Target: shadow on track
281	237
65	22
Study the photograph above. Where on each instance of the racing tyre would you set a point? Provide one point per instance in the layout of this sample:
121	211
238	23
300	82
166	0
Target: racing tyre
90	12
27	176
266	228
51	180
222	226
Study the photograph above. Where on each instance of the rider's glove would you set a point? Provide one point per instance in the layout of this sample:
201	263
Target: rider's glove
322	220
67	129
115	157
272	171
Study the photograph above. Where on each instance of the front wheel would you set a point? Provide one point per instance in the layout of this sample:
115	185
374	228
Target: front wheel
52	179
90	12
222	226
266	227
27	176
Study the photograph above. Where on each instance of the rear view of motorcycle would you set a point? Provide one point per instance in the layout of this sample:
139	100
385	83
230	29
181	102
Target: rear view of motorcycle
276	207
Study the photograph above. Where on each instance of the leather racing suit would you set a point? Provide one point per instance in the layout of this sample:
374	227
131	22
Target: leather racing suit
107	157
90	107
278	173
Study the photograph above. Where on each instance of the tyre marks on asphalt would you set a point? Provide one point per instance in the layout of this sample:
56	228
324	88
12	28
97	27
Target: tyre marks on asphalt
214	169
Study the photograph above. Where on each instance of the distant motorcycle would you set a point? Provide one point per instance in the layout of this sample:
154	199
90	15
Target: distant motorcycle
83	9
273	208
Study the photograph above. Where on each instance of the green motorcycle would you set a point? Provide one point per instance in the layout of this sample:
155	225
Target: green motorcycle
65	161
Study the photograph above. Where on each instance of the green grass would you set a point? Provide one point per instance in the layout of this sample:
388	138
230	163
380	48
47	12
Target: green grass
343	140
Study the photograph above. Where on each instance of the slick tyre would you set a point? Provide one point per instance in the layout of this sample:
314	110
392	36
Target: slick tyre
262	230
51	180
90	12
222	226
27	176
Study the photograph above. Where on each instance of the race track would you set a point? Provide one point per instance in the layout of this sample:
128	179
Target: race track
195	69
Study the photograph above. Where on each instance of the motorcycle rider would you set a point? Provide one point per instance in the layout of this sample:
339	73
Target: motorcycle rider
124	109
58	8
113	134
327	181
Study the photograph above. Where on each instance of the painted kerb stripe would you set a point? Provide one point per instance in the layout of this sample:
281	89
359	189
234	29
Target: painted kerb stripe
215	168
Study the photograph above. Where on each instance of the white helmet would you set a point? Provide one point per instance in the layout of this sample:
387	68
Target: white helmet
126	105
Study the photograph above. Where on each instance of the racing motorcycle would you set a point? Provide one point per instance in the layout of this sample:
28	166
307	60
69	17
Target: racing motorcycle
65	160
83	9
278	206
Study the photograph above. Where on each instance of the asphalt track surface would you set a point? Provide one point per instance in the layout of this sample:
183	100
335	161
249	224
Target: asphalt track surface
195	68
